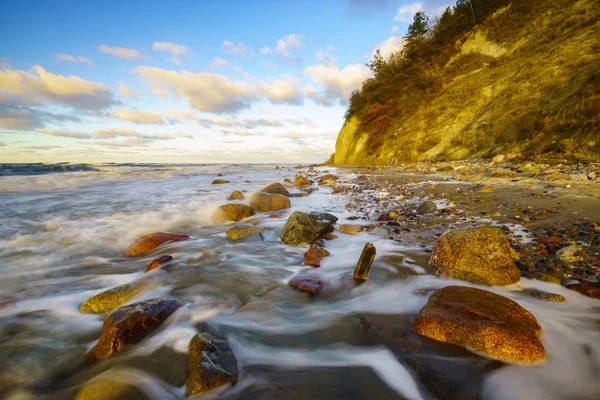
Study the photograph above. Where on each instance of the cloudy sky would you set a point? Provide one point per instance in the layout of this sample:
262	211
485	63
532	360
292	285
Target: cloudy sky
186	81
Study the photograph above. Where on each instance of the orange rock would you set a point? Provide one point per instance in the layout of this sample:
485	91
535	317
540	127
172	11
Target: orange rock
308	283
314	255
549	240
330	236
276	188
351	229
269	202
585	290
231	212
157	263
146	244
301	181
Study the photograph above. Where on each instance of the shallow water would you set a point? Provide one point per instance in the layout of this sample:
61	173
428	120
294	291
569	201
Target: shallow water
62	236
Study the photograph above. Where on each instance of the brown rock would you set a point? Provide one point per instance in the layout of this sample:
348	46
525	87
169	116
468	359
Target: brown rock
301	181
220	182
351	229
130	324
211	363
159	262
585	290
236	195
276	188
314	255
546	296
301	194
486	189
549	240
269	202
330	236
146	244
308	283
328	178
363	266
482	321
231	212
478	255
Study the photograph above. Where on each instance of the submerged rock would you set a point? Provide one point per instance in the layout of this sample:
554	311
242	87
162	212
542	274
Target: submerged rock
130	324
351	229
478	255
314	255
585	290
481	321
236	195
546	296
276	188
303	228
109	389
302	181
363	266
426	207
112	298
241	231
231	212
211	363
308	283
158	262
220	182
269	202
146	244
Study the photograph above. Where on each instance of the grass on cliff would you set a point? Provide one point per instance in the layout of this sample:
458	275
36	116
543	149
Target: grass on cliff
506	76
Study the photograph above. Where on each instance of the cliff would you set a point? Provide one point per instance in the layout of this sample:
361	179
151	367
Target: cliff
524	79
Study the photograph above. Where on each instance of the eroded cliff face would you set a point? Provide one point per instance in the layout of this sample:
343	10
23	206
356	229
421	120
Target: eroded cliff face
534	93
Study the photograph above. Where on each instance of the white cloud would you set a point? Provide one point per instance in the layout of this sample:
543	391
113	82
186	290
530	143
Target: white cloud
237	49
407	12
177	51
126	90
140	117
4	62
68	134
325	56
338	84
281	90
265	50
120	52
284	46
74	59
110	133
19	118
394	30
218	62
40	86
390	46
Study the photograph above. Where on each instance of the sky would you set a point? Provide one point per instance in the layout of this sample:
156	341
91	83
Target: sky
187	81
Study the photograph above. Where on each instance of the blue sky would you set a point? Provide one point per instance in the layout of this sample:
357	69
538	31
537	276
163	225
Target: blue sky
186	81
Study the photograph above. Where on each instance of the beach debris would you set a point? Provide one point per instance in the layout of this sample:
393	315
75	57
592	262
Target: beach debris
481	321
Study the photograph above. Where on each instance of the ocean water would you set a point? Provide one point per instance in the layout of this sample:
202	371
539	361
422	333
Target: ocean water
63	229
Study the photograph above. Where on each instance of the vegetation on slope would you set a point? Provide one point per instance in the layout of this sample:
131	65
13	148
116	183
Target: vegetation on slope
487	76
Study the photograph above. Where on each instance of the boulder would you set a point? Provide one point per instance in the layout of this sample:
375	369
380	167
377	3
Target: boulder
112	298
159	262
276	188
236	195
146	244
220	182
241	231
426	207
325	217
351	229
363	266
211	363
481	321
304	228
109	389
314	255
301	181
309	283
269	202
478	255
585	290
130	324
231	212
328	178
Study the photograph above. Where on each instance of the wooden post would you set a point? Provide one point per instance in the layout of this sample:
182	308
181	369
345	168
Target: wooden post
364	262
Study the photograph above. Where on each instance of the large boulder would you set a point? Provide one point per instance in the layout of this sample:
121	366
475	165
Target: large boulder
481	321
109	389
211	363
231	212
146	244
302	181
276	188
130	324
112	298
241	231
269	202
478	255
304	228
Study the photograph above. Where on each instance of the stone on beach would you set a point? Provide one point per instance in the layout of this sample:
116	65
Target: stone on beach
276	188
309	283
426	207
314	255
130	324
304	228
351	229
585	290
481	321
478	255
236	195
220	182
211	363
302	181
109	389
269	202
363	266
328	178
146	244
241	231
113	298
231	212
158	262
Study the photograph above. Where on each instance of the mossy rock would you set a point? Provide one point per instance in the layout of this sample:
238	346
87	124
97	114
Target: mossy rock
481	321
236	195
478	255
303	228
276	188
211	363
241	231
220	182
263	202
231	212
112	298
